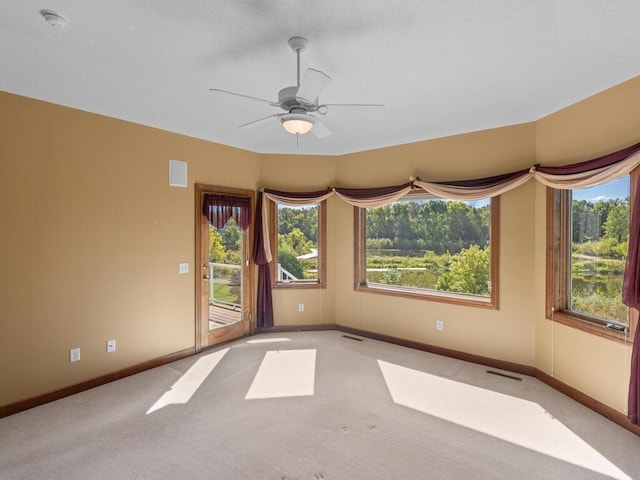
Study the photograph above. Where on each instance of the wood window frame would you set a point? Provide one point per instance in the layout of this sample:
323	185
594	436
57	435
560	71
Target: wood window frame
489	302
321	282
558	253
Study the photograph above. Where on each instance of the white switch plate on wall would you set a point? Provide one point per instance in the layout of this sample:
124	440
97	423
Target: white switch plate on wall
111	346
183	268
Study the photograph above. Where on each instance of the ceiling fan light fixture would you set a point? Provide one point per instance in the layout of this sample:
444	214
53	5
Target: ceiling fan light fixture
297	123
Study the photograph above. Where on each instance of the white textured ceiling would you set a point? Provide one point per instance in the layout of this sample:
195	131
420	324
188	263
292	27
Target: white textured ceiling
440	67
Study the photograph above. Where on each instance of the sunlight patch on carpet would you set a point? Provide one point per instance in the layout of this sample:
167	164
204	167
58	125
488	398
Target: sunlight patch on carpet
284	373
182	391
508	418
269	340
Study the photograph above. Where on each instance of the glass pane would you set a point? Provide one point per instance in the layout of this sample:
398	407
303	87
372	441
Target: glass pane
430	244
298	244
599	238
225	275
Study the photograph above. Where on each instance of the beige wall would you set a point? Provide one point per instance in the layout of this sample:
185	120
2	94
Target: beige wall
92	235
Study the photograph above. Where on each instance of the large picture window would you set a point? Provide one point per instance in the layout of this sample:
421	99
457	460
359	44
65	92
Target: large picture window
426	247
298	237
589	230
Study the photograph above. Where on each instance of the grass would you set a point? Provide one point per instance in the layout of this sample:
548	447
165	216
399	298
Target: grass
601	306
223	293
429	260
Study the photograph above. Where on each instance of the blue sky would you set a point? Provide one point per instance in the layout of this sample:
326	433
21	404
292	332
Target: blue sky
617	189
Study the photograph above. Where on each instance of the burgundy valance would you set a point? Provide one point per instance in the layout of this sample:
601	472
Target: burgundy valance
487	181
219	208
371	193
298	195
593	164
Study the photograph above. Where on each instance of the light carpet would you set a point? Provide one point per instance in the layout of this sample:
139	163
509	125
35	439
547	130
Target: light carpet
316	405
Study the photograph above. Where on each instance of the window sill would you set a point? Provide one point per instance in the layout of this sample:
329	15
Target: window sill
299	284
431	295
590	327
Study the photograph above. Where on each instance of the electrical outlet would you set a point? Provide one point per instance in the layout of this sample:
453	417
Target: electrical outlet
111	346
301	307
74	355
439	325
183	267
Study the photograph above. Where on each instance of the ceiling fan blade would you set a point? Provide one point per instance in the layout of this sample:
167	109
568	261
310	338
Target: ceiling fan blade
313	83
367	106
219	90
260	121
320	130
370	110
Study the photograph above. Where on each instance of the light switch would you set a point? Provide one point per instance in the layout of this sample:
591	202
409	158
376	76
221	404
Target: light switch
183	268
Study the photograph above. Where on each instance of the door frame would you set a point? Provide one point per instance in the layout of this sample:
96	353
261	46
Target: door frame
202	337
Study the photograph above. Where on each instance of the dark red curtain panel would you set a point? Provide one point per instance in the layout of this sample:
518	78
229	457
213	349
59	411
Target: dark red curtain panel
219	208
631	298
634	383
264	314
594	164
631	279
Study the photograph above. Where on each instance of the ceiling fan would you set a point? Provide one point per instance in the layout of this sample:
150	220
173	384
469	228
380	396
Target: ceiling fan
300	102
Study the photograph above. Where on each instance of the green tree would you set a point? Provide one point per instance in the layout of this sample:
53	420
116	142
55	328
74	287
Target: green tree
465	226
587	219
617	224
217	252
434	224
303	218
232	257
231	235
290	263
603	207
468	272
401	217
295	241
379	223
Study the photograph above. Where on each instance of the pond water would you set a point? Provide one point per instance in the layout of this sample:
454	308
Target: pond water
599	295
